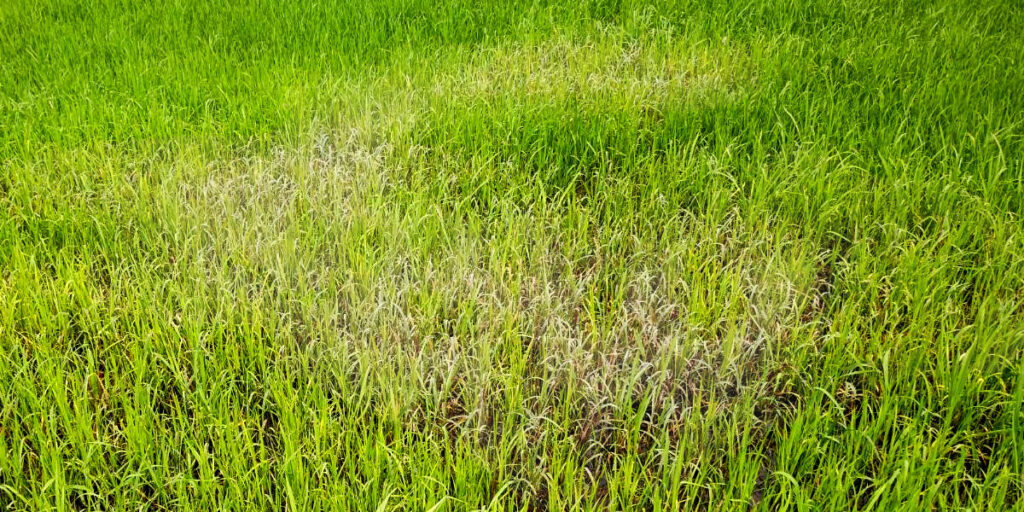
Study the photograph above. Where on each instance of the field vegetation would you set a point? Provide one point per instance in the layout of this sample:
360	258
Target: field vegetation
447	255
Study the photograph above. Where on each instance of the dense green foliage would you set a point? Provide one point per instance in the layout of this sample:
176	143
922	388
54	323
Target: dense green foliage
461	255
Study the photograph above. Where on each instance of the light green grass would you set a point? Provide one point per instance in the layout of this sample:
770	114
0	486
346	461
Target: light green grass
450	255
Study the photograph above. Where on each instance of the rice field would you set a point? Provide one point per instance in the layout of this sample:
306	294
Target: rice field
453	255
